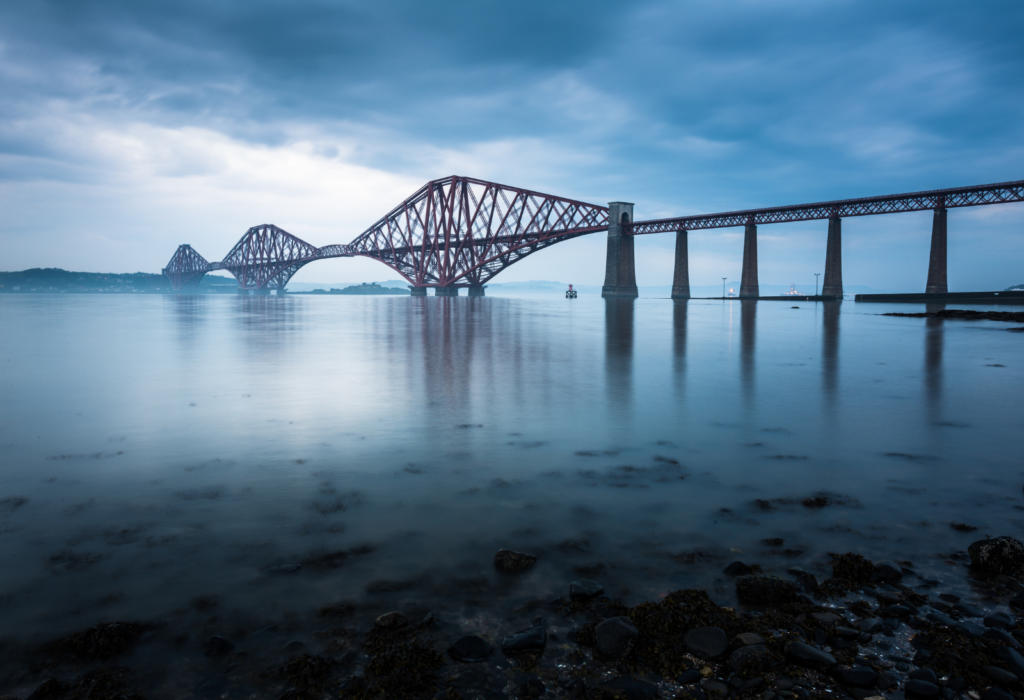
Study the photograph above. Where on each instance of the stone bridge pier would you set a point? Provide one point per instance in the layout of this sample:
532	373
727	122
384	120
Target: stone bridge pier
620	272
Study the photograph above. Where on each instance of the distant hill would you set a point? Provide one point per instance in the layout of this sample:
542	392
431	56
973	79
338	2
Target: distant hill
53	280
363	289
1015	288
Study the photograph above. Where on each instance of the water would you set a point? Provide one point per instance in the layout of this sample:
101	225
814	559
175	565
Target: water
160	453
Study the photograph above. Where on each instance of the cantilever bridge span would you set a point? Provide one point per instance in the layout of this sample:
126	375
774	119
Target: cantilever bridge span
460	232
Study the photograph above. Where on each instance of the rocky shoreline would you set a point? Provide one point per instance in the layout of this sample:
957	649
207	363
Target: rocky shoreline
873	629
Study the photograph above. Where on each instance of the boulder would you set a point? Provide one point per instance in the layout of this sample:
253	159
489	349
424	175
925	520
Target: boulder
531	641
470	649
806	654
737	568
887	571
998	555
749	661
762	589
217	646
1001	620
511	562
584	589
391	621
615	637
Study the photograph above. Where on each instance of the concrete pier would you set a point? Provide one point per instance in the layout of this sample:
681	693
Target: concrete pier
681	275
748	283
937	259
620	272
417	291
476	291
833	283
446	291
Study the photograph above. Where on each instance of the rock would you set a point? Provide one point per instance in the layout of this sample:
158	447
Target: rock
530	641
1014	660
715	690
921	690
737	568
511	562
969	610
846	632
631	689
925	674
294	646
689	676
748	638
762	589
1001	636
857	677
531	688
806	654
941	619
1000	675
283	569
706	642
217	646
470	649
896	611
474	680
887	571
1001	620
749	685
615	637
868	625
825	618
971	629
391	621
999	555
750	660
584	589
1017	602
996	694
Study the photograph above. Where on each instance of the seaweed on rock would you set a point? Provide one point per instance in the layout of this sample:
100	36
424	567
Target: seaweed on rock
400	666
849	571
97	643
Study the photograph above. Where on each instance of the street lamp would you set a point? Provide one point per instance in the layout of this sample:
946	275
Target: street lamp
723	287
816	283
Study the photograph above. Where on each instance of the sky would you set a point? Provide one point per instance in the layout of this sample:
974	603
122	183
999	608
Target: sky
127	128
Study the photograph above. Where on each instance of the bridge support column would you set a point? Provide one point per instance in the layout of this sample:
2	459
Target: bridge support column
620	272
262	291
446	291
833	285
681	275
417	291
748	283
476	291
937	259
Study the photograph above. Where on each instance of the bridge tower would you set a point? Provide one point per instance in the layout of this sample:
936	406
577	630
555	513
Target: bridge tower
937	259
833	285
681	274
620	271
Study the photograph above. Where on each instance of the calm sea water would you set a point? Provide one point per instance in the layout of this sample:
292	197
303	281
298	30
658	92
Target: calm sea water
159	450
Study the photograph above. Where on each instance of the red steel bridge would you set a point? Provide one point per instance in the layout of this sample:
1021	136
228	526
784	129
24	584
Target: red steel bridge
460	232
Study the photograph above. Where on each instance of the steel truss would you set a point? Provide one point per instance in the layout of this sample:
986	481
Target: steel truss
1000	193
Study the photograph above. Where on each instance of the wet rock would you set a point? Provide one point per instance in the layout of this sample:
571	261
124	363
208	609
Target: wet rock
706	642
531	688
474	680
896	611
941	619
308	672
1000	620
846	632
294	646
857	677
100	642
887	571
615	638
748	638
806	654
826	618
924	674
751	660
283	569
715	690
868	625
512	562
1013	659
1001	636
470	649
631	688
737	568
994	693
921	690
217	646
391	621
530	641
689	676
1000	675
763	589
212	686
969	610
998	555
969	628
584	589
427	620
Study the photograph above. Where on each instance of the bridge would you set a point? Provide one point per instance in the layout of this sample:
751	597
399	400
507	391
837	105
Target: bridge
459	232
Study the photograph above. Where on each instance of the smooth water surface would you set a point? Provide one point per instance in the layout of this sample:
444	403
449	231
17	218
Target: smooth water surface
159	450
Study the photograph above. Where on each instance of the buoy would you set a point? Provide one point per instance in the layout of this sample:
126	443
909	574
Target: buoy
570	293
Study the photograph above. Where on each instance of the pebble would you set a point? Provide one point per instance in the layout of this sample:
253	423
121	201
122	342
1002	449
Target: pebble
470	649
584	589
751	659
896	611
530	641
748	638
857	677
1003	636
688	676
294	646
971	629
1000	675
825	618
944	620
969	610
531	688
994	693
868	625
805	653
1014	660
888	571
391	621
615	637
706	642
921	689
1001	620
925	674
715	689
511	562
